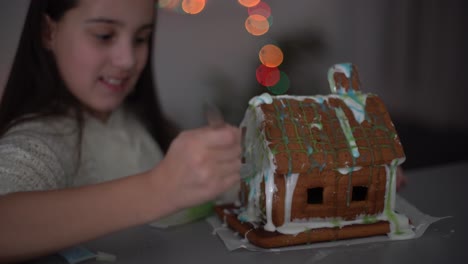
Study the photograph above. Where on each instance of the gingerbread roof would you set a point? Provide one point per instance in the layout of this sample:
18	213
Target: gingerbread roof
342	130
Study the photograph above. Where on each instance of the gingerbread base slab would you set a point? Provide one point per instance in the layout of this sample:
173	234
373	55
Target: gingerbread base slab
266	239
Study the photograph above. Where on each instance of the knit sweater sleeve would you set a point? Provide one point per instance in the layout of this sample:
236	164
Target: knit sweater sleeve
37	156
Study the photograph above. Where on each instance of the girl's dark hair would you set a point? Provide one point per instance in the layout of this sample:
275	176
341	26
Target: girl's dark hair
35	88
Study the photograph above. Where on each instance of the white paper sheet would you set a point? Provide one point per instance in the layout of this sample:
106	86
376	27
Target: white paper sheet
234	241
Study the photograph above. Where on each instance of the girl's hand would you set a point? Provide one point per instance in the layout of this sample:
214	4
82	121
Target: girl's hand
200	165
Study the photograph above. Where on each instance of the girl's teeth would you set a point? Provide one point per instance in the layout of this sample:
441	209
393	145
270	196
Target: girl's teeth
113	81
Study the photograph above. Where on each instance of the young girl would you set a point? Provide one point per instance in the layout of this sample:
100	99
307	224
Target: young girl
82	135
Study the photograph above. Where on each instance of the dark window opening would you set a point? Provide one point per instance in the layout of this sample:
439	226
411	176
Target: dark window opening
315	195
359	193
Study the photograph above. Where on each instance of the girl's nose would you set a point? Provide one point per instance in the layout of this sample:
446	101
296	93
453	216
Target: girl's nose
124	56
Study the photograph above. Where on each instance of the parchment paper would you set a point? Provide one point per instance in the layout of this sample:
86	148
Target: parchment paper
234	241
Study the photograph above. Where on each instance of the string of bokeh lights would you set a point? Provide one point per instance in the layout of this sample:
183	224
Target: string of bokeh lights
258	22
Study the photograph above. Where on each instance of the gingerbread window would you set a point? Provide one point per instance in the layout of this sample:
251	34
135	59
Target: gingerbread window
315	195
359	193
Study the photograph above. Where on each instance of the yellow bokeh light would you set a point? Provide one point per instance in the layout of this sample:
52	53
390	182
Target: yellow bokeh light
193	6
249	3
257	25
170	4
271	55
163	3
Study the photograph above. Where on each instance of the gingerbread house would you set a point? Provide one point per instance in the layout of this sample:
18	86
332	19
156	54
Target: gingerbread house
318	168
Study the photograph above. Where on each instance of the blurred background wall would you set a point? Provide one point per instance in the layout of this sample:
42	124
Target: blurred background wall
410	52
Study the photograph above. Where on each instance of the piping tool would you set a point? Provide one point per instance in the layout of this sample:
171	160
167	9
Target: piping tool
213	115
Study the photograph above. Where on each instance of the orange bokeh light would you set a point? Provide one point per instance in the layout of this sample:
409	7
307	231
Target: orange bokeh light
271	56
257	25
249	3
193	6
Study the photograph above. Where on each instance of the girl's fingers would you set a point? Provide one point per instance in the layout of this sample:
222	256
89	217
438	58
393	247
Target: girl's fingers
223	137
231	153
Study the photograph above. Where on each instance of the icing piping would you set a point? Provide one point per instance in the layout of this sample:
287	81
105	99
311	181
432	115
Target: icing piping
291	181
344	122
345	68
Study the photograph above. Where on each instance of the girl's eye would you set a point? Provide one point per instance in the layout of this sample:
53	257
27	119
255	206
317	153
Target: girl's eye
140	40
104	37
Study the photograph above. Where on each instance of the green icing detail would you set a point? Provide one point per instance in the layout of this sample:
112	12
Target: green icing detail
344	122
200	211
369	219
274	150
308	231
188	215
280	119
336	222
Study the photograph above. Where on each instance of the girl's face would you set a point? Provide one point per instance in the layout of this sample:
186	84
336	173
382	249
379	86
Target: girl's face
101	47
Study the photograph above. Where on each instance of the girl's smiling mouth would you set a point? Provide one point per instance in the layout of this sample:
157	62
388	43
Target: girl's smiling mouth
114	84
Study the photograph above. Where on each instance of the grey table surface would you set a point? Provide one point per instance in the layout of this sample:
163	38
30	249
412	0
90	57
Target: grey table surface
437	191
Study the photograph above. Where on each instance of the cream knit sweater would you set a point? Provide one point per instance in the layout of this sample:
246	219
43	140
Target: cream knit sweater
43	154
